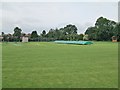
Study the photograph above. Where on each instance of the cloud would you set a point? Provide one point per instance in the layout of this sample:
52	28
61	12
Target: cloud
45	15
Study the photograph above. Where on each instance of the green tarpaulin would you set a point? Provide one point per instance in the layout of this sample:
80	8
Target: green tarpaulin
75	42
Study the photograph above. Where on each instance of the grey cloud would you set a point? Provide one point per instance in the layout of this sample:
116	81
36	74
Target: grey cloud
43	16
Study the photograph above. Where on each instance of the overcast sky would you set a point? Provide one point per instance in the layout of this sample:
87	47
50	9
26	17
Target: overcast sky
40	16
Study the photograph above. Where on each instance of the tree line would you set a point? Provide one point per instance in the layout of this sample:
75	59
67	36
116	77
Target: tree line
103	30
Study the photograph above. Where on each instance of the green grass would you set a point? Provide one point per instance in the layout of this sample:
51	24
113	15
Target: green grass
50	65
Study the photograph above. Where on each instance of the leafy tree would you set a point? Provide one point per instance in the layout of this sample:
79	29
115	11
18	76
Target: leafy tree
57	34
69	32
80	37
17	33
50	34
103	30
91	31
2	33
117	31
70	29
34	34
43	33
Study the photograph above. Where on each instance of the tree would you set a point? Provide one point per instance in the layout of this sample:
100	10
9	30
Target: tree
17	33
2	33
103	30
50	34
80	37
91	31
117	31
62	33
70	29
43	33
69	32
34	34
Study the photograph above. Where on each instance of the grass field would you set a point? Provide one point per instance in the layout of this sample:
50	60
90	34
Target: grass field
50	65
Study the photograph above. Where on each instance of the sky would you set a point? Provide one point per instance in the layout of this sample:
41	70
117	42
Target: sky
41	16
